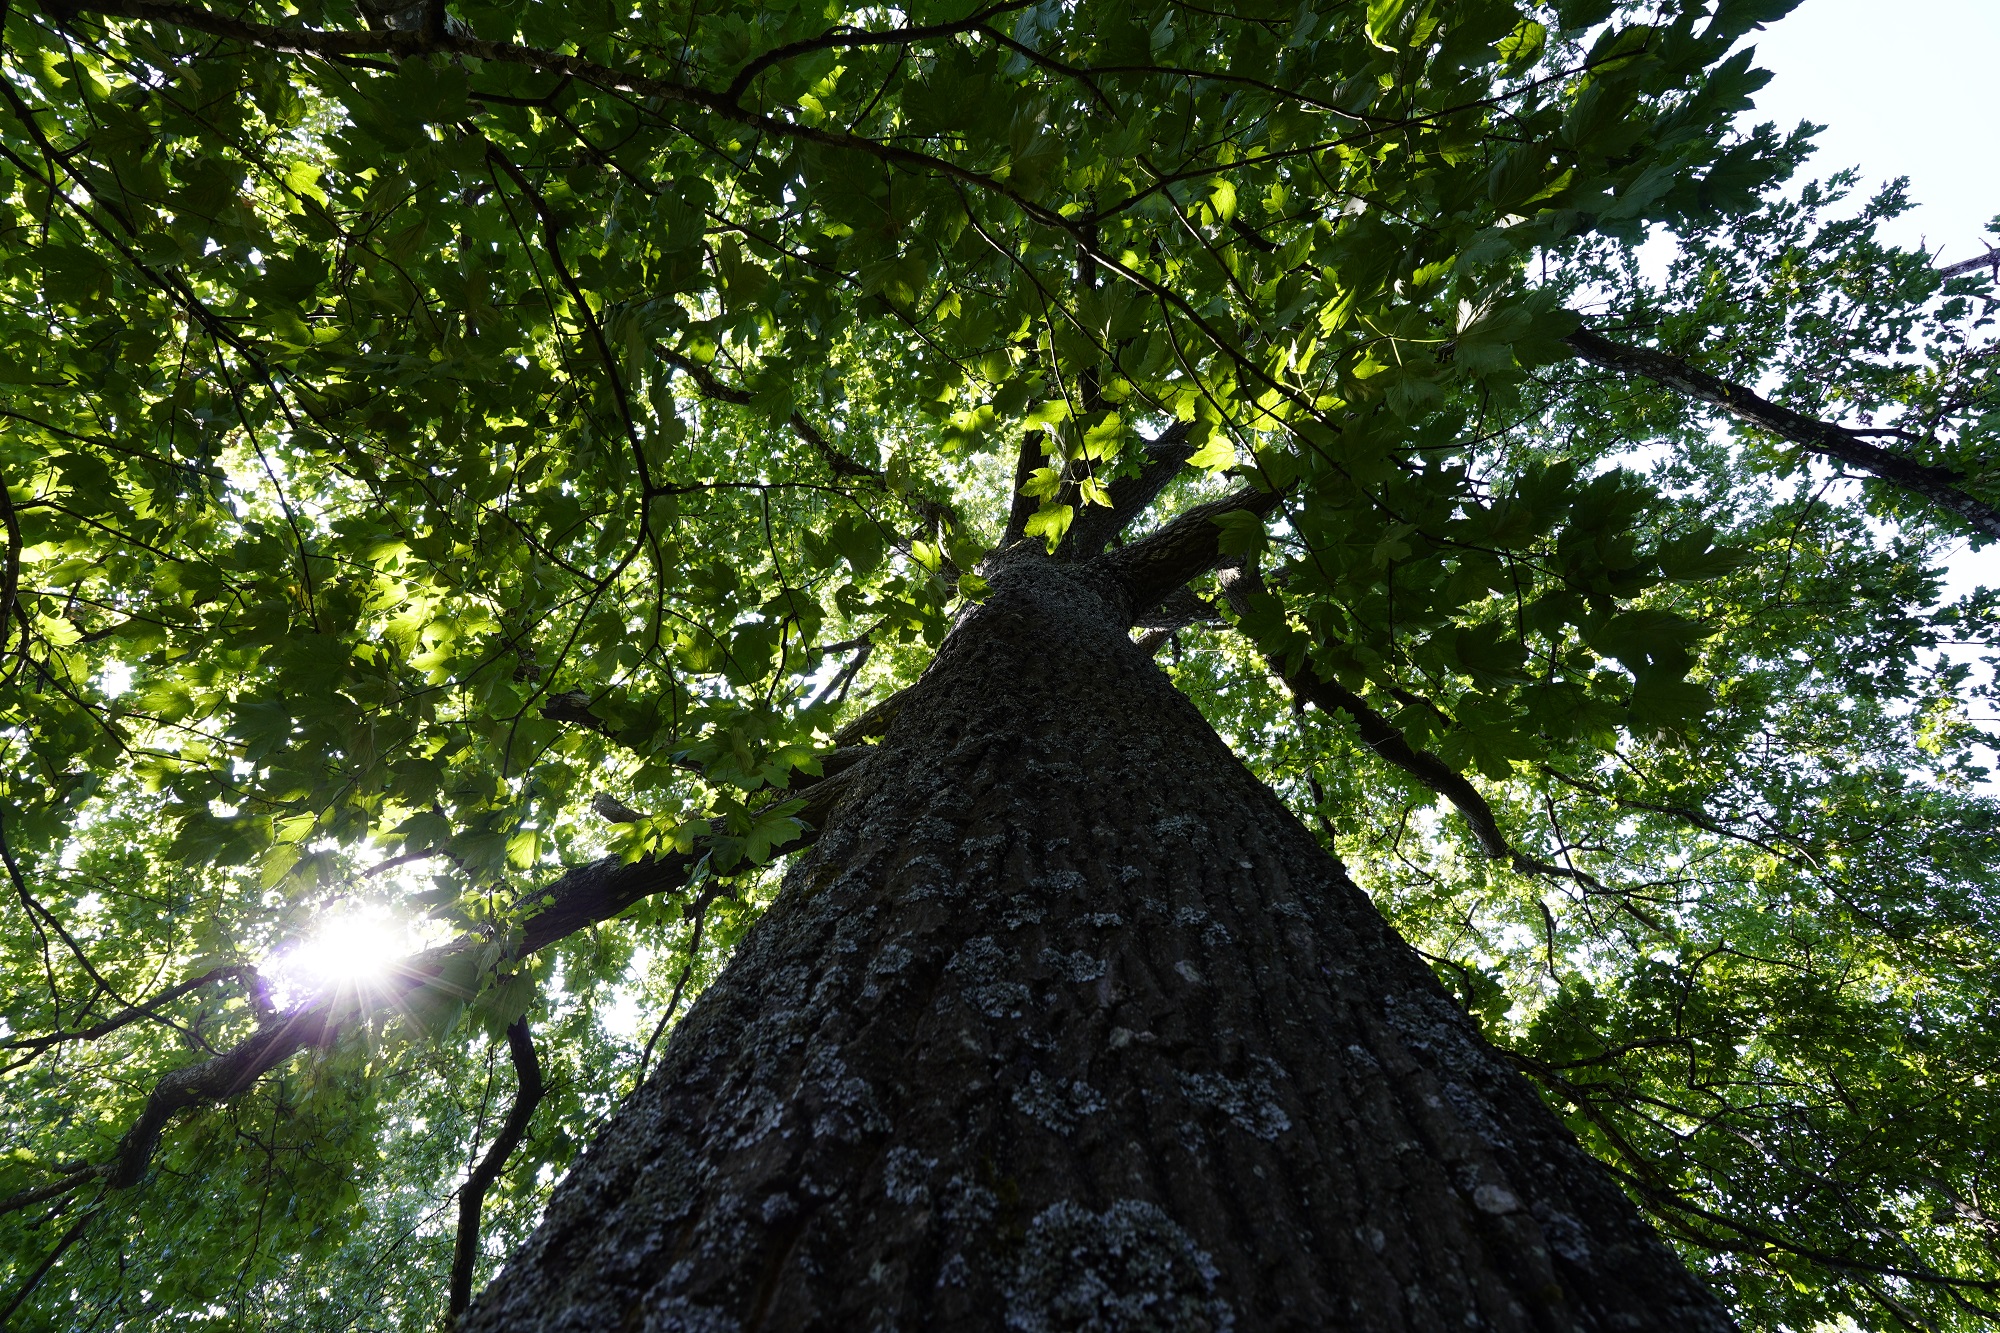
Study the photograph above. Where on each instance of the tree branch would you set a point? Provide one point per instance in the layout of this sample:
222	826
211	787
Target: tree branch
1150	569
834	41
585	895
471	1199
1176	612
133	1013
75	1175
10	572
1095	527
1239	584
711	385
573	707
1021	506
70	1237
1991	259
1940	486
674	1000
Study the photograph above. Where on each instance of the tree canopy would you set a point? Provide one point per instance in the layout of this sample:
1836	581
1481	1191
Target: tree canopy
481	466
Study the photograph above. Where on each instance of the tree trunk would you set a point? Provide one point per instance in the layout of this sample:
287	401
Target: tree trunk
1065	1022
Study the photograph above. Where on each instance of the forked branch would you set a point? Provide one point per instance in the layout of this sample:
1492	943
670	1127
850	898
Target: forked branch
1149	570
1096	526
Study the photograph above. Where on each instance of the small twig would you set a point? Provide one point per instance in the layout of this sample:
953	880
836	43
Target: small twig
680	984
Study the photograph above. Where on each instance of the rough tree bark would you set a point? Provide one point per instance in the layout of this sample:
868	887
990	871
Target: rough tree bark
1065	1022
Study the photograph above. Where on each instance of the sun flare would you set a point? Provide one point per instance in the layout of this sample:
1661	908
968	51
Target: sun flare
350	949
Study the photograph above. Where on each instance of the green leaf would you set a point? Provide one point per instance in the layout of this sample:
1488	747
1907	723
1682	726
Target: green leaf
1666	703
1050	522
1218	455
1242	532
1522	47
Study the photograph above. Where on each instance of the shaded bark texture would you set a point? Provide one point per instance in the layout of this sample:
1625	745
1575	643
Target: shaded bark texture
1064	1023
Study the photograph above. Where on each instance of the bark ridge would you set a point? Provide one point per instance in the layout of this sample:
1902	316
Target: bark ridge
1066	1023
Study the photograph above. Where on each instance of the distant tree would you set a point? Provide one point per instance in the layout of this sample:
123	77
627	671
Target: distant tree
535	469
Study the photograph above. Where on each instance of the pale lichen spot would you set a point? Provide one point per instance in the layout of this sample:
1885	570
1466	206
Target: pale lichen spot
1129	1269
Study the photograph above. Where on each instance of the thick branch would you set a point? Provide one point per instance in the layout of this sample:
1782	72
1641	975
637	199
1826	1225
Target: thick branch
585	895
1940	486
472	1199
1095	527
573	707
1991	259
1022	506
1150	569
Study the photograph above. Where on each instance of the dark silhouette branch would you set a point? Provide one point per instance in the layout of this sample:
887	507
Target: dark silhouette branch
1938	485
1022	506
680	987
710	385
1239	584
552	245
472	1198
573	707
10	572
70	1237
838	41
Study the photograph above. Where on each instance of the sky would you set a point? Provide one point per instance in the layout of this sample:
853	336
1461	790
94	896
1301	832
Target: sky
1905	88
